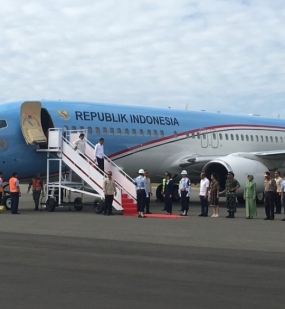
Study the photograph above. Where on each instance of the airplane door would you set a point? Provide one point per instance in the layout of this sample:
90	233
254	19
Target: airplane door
204	139
214	139
31	123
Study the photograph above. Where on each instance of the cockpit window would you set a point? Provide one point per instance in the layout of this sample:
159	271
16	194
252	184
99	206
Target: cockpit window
3	123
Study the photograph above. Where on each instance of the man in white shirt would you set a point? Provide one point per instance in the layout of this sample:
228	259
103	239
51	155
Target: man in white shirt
203	194
278	193
99	154
80	145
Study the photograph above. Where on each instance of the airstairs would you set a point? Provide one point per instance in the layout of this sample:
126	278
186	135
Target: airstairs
61	149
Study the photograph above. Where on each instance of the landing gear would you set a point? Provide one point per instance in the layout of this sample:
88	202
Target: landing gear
7	201
50	204
159	195
98	206
240	200
78	200
260	198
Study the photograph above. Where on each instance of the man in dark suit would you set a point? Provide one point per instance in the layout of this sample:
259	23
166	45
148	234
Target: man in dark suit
167	194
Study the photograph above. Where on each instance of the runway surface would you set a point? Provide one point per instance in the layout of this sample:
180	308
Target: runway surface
69	259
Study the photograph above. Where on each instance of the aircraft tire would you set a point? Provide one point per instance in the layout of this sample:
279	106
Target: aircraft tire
6	200
175	195
50	204
260	198
240	200
159	196
78	200
98	206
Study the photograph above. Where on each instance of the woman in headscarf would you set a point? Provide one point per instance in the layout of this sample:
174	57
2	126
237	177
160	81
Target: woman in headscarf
249	195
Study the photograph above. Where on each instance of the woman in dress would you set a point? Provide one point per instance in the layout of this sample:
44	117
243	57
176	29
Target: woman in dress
214	195
249	194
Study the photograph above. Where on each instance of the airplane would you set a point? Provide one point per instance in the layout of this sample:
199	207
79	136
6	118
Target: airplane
152	138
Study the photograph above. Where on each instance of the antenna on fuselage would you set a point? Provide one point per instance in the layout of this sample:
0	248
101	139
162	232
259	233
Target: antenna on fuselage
186	107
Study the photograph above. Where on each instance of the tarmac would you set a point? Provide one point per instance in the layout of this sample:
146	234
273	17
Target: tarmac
69	259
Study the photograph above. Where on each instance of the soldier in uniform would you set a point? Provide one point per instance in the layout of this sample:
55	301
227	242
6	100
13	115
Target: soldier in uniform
231	186
38	189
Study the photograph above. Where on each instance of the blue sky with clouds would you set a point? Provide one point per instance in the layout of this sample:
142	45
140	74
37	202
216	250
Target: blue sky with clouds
218	55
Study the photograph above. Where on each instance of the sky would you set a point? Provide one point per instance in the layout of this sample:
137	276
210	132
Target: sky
214	55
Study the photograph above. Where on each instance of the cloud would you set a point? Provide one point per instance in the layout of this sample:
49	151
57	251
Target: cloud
212	55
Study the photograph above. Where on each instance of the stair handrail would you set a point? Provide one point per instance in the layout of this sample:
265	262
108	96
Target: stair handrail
91	162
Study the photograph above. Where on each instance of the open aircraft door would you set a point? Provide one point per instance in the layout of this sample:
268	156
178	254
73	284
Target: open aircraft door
31	123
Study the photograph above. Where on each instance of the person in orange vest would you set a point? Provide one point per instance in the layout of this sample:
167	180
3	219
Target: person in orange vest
1	187
15	193
38	189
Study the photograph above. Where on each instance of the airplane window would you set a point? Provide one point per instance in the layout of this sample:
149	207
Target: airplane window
154	132
81	128
119	131
266	138
232	137
187	134
97	130
237	137
214	136
247	138
175	133
242	137
204	135
198	135
193	135
104	130
73	127
271	139
261	138
3	123
256	136
126	131
134	132
227	137
141	132
89	130
112	131
281	139
161	133
251	138
148	133
221	136
65	128
276	139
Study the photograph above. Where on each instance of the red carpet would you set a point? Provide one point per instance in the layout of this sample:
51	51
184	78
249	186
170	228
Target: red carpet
162	216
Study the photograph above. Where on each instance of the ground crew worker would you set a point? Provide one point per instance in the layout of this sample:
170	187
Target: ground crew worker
15	193
184	192
1	187
149	186
109	189
231	186
142	192
38	189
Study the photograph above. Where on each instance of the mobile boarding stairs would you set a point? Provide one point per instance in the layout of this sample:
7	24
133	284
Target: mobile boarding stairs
61	151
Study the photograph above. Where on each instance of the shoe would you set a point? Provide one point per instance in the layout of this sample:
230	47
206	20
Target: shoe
250	217
201	215
228	216
247	217
277	213
205	216
111	214
148	212
283	219
139	216
271	218
168	213
266	218
216	216
163	209
36	208
213	215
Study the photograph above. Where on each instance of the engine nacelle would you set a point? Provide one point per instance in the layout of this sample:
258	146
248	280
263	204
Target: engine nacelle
241	167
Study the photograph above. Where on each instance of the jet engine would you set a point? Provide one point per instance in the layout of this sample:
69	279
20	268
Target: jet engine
241	167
